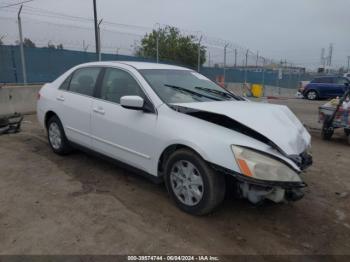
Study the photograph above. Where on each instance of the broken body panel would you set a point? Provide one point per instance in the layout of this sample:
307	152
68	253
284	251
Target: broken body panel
275	126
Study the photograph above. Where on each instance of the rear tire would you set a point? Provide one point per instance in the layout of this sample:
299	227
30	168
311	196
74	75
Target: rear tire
327	130
56	136
312	95
192	184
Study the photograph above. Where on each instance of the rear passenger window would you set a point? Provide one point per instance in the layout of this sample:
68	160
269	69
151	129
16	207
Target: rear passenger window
117	83
327	80
342	81
65	84
323	80
316	80
84	80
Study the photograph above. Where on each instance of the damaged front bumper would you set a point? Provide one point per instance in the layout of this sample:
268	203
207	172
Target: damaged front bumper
256	191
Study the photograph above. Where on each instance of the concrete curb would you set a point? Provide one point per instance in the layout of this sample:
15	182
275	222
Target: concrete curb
20	99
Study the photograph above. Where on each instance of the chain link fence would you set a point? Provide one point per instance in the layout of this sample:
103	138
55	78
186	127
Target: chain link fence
45	28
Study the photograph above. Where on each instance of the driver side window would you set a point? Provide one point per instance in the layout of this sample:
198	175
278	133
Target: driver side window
117	83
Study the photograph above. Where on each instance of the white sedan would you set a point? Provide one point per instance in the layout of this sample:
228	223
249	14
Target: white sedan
177	126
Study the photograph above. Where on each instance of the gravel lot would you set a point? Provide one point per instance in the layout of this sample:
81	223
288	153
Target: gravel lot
84	205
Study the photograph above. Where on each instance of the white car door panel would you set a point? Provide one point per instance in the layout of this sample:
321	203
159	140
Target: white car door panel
76	100
124	134
76	121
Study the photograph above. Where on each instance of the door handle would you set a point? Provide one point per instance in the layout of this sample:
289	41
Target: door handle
99	110
60	98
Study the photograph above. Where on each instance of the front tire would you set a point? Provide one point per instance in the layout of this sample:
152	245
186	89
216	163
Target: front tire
312	95
56	136
192	184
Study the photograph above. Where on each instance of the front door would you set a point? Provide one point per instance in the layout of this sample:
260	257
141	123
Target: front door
124	134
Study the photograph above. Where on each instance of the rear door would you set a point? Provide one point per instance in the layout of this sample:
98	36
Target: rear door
124	134
339	87
326	86
75	99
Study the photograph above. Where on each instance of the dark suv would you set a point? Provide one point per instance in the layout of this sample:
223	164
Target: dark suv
325	87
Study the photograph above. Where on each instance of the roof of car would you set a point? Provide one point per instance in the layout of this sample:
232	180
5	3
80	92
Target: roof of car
326	77
139	65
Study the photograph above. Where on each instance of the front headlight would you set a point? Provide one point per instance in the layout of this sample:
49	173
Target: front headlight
260	166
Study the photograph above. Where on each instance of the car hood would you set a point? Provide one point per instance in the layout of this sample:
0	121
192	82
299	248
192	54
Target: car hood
276	123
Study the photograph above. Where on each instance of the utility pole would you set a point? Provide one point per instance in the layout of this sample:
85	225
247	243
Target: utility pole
199	54
85	47
157	42
323	58
263	71
330	54
96	29
263	75
348	63
23	61
235	57
208	59
246	66
225	47
257	59
99	40
157	47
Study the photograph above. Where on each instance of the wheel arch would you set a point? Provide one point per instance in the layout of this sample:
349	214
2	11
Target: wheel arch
48	115
167	151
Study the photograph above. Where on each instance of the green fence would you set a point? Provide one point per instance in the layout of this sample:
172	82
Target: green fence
45	64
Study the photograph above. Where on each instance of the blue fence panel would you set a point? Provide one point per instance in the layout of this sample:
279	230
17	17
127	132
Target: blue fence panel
9	71
46	64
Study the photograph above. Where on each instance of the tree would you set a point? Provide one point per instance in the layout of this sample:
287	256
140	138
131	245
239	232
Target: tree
28	43
51	46
173	46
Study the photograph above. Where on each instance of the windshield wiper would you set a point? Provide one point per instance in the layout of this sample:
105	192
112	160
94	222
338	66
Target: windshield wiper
190	92
218	92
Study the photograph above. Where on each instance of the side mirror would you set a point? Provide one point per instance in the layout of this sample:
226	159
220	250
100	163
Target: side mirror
346	84
132	102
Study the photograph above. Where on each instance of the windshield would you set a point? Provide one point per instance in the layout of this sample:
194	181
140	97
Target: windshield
184	86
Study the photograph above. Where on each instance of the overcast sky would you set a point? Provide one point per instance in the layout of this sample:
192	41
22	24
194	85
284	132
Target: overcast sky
290	29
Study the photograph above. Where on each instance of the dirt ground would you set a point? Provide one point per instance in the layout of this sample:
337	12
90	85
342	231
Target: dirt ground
81	204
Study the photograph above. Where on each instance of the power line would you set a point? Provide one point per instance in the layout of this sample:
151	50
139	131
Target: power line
132	30
23	2
47	13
